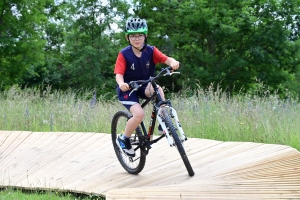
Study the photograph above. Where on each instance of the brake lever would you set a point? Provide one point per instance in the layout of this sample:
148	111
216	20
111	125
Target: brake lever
133	85
135	89
169	72
175	73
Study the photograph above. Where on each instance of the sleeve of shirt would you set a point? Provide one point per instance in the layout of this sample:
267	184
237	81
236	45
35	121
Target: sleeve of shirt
120	66
158	56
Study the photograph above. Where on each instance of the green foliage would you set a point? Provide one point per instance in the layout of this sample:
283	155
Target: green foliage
21	43
89	52
73	44
235	44
78	47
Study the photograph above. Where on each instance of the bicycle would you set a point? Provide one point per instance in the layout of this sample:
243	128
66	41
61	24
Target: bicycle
141	140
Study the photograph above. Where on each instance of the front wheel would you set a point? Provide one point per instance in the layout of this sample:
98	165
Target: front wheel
132	165
178	143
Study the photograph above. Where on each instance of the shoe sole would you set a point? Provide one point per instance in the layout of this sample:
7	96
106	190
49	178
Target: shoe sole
122	149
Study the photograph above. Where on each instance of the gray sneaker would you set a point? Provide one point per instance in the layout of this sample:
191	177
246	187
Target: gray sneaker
125	146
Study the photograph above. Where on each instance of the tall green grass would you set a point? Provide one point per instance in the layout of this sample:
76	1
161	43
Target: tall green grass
250	118
206	114
18	194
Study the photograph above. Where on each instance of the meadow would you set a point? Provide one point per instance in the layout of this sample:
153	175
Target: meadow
205	114
209	114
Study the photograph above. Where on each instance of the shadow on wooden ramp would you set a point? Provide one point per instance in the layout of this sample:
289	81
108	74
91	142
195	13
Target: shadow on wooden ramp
86	163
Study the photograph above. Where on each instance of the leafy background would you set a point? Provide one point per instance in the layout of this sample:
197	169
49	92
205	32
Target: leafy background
236	45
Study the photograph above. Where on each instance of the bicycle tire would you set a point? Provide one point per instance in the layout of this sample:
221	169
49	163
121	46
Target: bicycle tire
132	165
178	143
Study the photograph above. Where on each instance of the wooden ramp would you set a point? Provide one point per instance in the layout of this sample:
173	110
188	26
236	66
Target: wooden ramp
86	163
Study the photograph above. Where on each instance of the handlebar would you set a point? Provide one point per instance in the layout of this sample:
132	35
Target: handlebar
135	85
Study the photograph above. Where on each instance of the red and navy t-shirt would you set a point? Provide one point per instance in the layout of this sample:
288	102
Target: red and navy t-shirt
138	68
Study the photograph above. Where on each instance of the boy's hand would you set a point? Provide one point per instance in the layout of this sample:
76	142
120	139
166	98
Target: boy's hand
124	87
173	63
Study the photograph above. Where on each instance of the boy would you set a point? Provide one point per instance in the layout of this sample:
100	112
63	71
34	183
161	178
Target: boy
136	62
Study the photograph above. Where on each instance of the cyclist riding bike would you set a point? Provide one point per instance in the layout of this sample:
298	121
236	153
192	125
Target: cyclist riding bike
136	62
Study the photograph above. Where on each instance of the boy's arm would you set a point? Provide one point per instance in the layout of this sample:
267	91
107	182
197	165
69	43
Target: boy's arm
120	80
159	57
172	63
119	71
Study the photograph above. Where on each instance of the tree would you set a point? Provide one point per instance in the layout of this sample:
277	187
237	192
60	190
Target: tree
21	43
49	72
230	43
90	46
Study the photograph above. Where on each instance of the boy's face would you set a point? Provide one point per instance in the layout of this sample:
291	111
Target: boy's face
137	40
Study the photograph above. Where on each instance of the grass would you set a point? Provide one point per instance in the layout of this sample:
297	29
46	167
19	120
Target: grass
248	118
18	194
206	114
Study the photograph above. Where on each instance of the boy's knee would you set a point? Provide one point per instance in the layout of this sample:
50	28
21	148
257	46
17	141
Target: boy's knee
138	115
160	89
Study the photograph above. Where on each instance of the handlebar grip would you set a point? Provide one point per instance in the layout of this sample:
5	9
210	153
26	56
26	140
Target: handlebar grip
170	68
133	84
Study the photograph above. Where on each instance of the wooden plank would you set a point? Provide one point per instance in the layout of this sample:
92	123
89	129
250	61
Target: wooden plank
3	137
9	141
86	163
36	153
60	143
244	155
202	191
21	150
269	167
61	167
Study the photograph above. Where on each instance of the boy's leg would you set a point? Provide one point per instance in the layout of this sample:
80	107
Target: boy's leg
124	141
149	91
137	117
132	104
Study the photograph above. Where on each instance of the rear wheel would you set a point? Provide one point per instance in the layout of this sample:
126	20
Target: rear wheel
133	165
178	142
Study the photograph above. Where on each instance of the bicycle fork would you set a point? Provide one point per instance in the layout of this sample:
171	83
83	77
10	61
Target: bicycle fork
173	114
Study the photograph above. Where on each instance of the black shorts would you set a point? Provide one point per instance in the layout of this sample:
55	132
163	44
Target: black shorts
127	100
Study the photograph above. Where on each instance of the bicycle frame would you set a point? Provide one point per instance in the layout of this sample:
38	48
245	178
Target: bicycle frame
142	140
158	101
157	112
